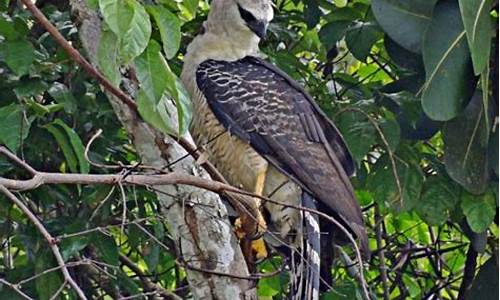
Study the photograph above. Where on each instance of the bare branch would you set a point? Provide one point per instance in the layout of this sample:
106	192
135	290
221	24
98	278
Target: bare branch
16	288
48	237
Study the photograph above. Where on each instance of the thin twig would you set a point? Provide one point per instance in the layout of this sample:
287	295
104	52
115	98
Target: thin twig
4	151
41	178
381	254
149	285
16	288
51	241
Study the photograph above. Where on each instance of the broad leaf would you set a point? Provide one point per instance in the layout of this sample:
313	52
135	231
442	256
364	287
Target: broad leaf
384	187
402	57
439	196
13	126
62	141
449	78
358	133
466	147
118	15
63	96
476	18
479	210
107	56
170	29
18	55
136	39
333	32
405	21
130	22
76	144
485	285
360	39
159	85
46	284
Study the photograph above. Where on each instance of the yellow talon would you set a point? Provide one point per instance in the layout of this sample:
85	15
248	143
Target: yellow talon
259	248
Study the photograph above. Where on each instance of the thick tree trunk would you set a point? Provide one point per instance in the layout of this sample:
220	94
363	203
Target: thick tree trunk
203	234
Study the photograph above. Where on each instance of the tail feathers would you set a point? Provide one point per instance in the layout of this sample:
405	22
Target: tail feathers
305	265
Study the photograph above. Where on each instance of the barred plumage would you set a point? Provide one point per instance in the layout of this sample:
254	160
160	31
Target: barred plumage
267	135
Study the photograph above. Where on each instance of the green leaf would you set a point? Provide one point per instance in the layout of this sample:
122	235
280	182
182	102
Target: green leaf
358	132
18	55
479	210
46	284
107	56
107	249
402	57
136	39
130	22
466	147
439	196
485	285
361	37
77	146
62	95
191	6
384	187
71	246
476	19
392	133
159	85
405	21
118	14
13	126
333	32
449	78
63	142
152	257
312	13
170	29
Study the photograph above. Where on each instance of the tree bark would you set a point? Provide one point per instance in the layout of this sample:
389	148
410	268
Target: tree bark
203	233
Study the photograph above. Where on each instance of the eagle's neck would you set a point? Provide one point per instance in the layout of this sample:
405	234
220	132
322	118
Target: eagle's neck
219	45
222	45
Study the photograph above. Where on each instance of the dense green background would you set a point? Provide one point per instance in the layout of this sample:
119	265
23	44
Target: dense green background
412	85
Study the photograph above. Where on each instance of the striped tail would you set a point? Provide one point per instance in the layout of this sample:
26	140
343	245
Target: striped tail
305	265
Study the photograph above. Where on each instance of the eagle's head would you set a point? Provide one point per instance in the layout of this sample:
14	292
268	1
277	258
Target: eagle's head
243	16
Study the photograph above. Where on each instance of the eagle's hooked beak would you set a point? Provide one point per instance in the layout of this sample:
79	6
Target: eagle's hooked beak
258	27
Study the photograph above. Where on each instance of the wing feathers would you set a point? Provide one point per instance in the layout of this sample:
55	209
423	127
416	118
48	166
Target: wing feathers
283	124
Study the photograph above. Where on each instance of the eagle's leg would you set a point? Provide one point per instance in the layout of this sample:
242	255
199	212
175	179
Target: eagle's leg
251	226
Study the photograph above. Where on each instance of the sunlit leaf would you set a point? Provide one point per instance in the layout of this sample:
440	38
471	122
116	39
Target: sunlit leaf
170	29
479	210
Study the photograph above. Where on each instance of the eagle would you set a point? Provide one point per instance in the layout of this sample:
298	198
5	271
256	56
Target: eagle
267	135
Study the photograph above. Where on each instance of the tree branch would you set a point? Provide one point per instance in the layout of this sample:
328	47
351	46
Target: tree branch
52	242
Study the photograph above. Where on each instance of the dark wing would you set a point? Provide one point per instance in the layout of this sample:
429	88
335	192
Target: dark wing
262	105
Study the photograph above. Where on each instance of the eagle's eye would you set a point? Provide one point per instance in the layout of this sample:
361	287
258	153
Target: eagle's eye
257	26
246	15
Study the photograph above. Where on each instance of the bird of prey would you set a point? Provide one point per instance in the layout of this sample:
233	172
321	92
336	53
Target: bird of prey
266	135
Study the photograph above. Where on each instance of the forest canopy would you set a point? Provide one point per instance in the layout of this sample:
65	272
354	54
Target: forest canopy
411	84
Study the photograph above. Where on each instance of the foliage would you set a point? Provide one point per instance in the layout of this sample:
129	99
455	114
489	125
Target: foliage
410	83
